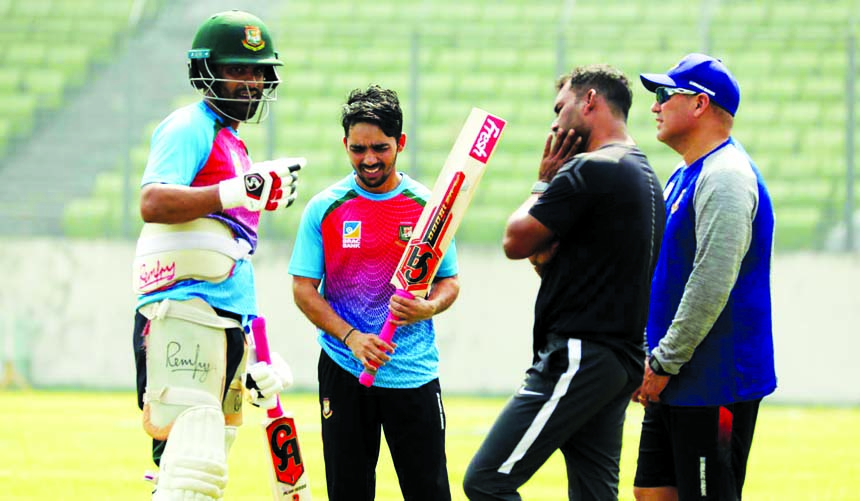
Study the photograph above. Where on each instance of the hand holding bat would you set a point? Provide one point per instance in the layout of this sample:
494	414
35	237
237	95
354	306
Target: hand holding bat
408	310
371	350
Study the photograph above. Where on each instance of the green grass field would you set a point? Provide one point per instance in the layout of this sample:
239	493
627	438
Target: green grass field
90	446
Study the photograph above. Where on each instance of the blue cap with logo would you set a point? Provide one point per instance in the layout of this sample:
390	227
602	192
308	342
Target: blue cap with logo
699	73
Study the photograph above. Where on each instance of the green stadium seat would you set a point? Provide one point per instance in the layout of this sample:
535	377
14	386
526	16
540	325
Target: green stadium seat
472	85
435	85
310	83
294	58
31	9
810	191
822	140
756	112
47	85
801	114
498	61
796	227
91	217
790	13
833	115
503	13
457	60
790	58
6	134
10	79
23	54
335	57
72	60
323	110
20	110
542	14
778	89
485	224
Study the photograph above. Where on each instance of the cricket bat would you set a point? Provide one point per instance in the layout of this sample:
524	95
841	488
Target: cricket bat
440	218
288	476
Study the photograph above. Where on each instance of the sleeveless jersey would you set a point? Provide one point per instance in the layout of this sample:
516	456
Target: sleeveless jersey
352	240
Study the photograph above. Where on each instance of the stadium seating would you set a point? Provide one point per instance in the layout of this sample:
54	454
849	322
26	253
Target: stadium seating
47	50
789	56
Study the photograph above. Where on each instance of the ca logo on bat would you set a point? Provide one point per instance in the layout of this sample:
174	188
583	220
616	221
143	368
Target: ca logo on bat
284	445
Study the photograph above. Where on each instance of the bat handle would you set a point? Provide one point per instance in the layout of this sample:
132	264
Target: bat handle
261	345
386	334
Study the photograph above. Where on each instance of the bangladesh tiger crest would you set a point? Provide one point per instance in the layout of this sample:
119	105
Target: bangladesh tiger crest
253	38
405	232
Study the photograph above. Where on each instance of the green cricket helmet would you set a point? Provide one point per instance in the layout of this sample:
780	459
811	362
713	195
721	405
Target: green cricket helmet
232	37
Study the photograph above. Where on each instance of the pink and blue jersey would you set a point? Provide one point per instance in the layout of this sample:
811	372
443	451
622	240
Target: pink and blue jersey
352	240
192	147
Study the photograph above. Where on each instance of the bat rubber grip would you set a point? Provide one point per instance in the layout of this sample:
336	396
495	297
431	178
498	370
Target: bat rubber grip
386	334
261	346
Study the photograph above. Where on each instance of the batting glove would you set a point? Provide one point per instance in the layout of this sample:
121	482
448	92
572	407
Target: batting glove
265	381
268	185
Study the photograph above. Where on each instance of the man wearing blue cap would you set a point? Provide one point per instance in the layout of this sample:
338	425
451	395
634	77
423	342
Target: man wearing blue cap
709	331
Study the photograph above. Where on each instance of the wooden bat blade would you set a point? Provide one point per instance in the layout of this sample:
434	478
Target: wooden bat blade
287	473
289	479
445	208
451	195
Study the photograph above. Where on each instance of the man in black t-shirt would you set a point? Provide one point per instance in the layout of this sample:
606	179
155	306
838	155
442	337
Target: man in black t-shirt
592	229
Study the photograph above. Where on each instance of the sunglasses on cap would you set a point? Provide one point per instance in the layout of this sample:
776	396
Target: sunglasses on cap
664	93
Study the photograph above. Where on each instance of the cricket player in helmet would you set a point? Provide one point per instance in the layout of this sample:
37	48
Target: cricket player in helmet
234	38
201	198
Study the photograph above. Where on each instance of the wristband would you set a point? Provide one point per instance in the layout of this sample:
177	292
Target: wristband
655	366
347	335
232	192
539	187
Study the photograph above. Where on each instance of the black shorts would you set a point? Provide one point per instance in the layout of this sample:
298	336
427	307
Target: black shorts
352	417
702	451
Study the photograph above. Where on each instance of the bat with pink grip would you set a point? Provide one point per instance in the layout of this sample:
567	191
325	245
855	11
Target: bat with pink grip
386	334
261	344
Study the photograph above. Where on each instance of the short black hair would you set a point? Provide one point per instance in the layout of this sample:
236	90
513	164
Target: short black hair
373	105
608	81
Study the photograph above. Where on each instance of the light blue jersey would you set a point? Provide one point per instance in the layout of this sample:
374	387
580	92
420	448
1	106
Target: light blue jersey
352	240
191	147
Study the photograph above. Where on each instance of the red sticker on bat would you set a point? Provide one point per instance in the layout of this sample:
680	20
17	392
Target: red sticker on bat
425	251
284	446
485	143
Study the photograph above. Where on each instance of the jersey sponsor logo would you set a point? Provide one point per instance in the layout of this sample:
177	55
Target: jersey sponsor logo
485	143
405	232
351	234
253	38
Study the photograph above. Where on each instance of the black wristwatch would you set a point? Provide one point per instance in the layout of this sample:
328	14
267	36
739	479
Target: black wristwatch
655	366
